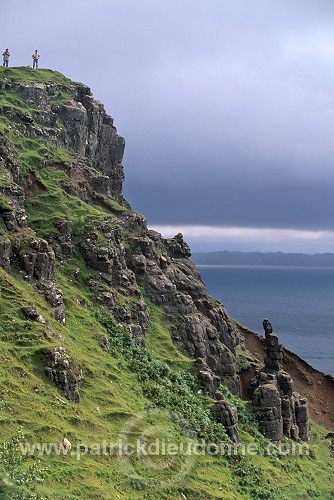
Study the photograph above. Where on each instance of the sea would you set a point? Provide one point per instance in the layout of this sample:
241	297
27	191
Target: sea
298	301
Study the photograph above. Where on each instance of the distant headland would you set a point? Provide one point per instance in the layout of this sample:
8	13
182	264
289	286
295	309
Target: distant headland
229	258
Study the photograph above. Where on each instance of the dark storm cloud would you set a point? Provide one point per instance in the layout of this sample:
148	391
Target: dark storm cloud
227	106
304	206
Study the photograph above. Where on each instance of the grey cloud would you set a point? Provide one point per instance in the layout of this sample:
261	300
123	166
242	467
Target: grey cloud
226	105
305	206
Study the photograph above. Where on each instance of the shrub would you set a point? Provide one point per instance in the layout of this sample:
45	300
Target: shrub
166	388
16	477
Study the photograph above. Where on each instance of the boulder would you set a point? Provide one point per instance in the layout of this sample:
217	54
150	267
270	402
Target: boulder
227	415
64	373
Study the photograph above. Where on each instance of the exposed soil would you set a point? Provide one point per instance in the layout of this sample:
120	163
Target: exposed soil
316	386
33	184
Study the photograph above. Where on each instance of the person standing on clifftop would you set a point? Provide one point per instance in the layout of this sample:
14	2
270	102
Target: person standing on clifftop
5	56
35	58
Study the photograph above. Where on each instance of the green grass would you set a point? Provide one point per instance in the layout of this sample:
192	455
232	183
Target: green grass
50	204
4	202
26	75
119	385
245	361
160	343
129	392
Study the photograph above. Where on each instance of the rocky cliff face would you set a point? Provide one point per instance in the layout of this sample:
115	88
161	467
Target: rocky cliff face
130	260
79	124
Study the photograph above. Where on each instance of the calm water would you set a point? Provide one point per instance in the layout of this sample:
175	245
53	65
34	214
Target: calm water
298	301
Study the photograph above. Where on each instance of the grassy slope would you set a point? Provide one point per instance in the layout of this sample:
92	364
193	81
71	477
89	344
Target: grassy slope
112	391
110	394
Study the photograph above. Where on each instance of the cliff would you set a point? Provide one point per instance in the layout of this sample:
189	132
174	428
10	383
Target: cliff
130	259
87	289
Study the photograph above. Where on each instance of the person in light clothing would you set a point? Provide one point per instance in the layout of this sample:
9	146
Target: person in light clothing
35	58
5	56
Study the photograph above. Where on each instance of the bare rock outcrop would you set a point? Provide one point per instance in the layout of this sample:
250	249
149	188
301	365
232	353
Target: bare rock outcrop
54	296
227	415
13	212
37	261
280	410
105	344
32	313
201	326
145	260
64	238
330	436
34	257
64	373
81	124
5	253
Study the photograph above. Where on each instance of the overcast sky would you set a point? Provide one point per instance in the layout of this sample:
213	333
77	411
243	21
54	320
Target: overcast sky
226	106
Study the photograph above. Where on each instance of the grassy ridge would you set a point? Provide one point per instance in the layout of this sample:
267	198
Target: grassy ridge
26	75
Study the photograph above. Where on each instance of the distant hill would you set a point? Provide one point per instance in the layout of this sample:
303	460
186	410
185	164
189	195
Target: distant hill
264	259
